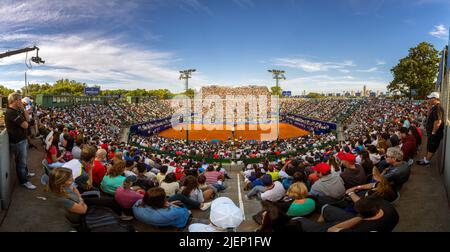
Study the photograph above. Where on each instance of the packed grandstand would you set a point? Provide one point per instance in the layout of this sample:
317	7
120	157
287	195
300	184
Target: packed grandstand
379	139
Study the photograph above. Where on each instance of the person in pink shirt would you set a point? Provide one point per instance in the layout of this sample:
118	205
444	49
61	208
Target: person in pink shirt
214	178
125	196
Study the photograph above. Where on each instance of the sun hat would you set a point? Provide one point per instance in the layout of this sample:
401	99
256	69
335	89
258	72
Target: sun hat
225	214
433	95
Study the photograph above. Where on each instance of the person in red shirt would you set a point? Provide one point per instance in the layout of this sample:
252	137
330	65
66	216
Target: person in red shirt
179	174
98	169
409	147
419	131
54	156
111	153
104	146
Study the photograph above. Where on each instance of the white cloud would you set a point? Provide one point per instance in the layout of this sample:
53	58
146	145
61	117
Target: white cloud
439	31
36	14
16	85
99	60
425	2
380	62
326	83
311	66
22	13
244	3
370	70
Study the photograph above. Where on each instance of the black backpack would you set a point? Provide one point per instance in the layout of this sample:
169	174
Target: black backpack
103	219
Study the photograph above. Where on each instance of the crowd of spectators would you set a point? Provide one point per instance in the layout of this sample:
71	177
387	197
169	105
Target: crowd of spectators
223	91
349	184
235	149
328	110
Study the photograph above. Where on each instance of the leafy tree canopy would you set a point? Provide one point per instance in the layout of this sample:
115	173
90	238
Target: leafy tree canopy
417	71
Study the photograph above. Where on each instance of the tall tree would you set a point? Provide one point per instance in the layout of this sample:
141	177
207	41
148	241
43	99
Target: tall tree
276	90
5	91
137	92
161	93
314	95
189	93
417	71
34	89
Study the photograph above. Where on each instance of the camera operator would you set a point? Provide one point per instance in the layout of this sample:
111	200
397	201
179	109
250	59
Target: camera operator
17	122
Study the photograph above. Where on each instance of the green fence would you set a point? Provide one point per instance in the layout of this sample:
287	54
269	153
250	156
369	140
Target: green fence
59	101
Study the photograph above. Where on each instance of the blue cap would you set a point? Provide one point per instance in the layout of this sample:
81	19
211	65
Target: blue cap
266	179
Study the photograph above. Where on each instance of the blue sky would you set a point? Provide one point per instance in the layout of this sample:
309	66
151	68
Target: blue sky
324	46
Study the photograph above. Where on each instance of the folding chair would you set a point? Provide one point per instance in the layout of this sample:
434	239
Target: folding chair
47	169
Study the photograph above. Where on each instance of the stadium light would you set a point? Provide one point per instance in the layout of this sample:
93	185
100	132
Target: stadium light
186	75
278	75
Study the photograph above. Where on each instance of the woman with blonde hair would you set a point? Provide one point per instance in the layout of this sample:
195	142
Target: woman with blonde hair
301	204
61	183
381	188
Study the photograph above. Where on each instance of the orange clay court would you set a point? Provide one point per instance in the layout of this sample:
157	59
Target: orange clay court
286	131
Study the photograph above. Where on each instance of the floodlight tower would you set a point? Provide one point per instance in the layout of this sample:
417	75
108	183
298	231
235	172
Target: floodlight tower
185	75
278	75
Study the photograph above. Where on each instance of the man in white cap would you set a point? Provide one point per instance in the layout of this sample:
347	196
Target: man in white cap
434	127
224	215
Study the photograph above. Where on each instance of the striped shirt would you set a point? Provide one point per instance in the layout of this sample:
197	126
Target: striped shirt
212	177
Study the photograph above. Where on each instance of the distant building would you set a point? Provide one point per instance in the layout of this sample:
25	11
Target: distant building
364	92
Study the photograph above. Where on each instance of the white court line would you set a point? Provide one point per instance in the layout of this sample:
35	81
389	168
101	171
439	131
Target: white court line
241	204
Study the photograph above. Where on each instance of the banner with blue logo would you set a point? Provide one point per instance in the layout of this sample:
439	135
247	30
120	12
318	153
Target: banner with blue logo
286	93
152	127
91	91
319	127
